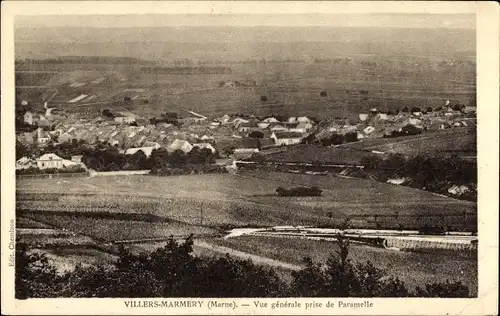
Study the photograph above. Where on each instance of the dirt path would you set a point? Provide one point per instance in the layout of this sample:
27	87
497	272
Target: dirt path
245	255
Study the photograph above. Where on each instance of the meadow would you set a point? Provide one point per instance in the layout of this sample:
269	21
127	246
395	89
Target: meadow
413	268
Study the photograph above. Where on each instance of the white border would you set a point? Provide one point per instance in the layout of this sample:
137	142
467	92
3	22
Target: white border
488	101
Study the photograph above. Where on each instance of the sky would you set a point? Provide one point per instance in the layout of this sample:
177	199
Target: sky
457	21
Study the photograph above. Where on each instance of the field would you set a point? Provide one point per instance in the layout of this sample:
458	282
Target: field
413	268
462	141
291	88
321	154
247	199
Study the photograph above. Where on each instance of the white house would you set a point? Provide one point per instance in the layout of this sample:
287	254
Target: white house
53	161
363	117
270	120
263	125
287	138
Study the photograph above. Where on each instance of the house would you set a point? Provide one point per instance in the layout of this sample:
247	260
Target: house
205	145
304	126
42	136
53	161
263	125
178	144
363	117
65	138
124	119
287	138
25	163
292	119
146	150
279	128
304	119
414	121
270	120
29	118
382	117
225	119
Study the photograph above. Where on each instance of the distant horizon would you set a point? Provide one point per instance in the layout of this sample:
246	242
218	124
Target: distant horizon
402	21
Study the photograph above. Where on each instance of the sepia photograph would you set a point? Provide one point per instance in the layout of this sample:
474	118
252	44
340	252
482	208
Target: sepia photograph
238	155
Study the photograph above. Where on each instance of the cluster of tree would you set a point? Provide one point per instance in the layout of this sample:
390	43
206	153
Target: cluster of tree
188	169
33	170
107	113
63	150
434	173
110	159
299	191
173	271
337	139
405	131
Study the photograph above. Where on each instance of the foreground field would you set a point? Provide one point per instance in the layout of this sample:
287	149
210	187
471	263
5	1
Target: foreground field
412	268
247	199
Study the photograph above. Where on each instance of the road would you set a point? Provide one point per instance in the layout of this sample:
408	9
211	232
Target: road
245	255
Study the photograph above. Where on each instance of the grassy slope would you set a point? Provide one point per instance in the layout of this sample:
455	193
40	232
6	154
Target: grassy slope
413	268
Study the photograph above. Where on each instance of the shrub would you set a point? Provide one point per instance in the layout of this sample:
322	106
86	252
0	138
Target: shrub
323	93
263	98
299	191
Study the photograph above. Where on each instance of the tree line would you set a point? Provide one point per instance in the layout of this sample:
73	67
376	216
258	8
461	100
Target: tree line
173	271
434	173
111	159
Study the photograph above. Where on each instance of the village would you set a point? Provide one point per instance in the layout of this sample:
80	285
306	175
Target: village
230	137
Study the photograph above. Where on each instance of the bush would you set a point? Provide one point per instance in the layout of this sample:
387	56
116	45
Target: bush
405	109
323	93
172	271
263	98
299	191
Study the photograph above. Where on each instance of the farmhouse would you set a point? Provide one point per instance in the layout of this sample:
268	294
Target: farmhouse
247	126
53	161
286	138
